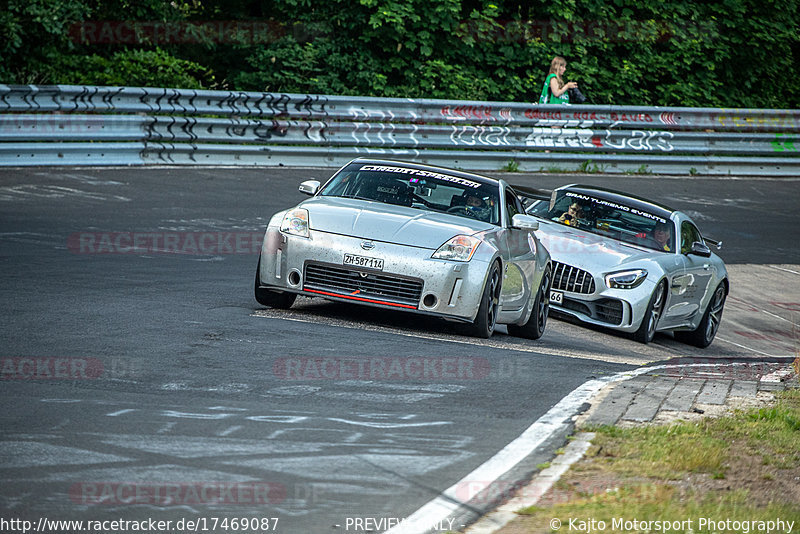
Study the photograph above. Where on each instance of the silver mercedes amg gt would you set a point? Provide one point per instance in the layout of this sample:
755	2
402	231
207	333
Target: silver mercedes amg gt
411	237
630	264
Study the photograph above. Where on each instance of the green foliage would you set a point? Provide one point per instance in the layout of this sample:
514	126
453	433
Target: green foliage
726	53
134	68
36	34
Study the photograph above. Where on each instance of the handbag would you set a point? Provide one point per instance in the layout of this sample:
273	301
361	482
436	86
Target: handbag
575	96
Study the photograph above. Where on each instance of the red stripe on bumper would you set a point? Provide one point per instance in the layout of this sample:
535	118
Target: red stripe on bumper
348	297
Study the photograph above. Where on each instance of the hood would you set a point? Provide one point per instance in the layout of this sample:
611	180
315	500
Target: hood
587	251
386	222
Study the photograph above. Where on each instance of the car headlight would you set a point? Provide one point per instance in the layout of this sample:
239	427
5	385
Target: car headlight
295	222
460	248
626	279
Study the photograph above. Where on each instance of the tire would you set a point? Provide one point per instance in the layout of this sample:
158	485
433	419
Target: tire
647	330
486	320
706	331
534	327
274	299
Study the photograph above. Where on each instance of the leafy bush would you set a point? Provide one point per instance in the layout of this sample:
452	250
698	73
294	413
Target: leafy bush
134	68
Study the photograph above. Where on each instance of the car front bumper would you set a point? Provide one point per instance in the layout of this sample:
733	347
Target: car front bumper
620	309
409	279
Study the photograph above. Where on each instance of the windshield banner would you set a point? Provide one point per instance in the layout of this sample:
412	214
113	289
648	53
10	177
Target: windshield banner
423	174
614	205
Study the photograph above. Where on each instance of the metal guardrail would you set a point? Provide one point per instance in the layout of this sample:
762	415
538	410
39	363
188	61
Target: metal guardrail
77	125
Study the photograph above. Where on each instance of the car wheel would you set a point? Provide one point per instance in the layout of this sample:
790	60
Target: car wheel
534	327
647	330
706	331
273	299
485	321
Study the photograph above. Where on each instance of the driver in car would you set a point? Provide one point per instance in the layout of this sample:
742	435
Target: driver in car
476	207
572	215
662	235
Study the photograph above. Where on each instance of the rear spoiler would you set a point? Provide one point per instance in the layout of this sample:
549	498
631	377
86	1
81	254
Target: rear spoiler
532	193
713	242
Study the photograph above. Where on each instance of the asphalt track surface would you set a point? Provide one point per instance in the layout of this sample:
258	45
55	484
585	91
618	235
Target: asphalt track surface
146	383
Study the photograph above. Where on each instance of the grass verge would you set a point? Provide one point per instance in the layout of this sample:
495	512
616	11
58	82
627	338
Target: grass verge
739	473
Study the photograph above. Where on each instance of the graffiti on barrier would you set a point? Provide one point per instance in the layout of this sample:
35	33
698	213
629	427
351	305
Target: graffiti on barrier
593	139
670	119
630	117
563	138
784	143
584	119
480	135
469	112
182	101
639	140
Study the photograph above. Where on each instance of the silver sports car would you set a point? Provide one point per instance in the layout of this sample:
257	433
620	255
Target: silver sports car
411	237
630	264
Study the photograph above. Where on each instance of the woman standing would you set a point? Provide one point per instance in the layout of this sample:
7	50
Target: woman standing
554	90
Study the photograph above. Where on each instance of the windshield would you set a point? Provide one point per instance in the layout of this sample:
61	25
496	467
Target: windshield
415	188
608	219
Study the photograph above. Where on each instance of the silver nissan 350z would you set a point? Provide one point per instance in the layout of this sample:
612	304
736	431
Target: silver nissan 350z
411	237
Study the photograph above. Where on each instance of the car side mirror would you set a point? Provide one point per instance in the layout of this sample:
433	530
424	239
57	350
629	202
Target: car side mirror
309	187
700	249
524	222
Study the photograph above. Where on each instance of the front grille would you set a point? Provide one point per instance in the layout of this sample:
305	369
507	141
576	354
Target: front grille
576	306
609	311
364	284
569	278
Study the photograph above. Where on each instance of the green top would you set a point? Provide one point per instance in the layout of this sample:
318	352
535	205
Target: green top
548	97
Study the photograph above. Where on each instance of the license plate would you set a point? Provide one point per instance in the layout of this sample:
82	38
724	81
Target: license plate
556	297
363	261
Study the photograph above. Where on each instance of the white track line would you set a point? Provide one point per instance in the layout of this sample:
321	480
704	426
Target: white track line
447	505
530	494
443	508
